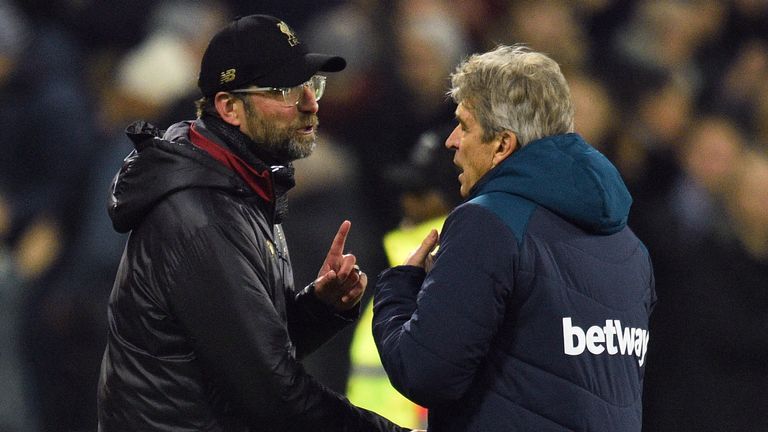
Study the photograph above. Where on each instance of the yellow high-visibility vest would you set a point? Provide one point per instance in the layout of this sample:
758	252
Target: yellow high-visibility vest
368	385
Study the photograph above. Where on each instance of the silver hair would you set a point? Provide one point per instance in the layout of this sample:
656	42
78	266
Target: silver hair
517	89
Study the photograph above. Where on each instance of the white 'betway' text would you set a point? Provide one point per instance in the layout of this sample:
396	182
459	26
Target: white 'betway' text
612	339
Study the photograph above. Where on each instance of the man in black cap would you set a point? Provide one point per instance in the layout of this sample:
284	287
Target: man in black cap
205	324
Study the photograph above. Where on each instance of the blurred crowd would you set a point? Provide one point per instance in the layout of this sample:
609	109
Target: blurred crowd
674	92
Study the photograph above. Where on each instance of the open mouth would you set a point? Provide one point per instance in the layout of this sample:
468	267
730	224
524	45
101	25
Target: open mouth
459	171
457	167
307	129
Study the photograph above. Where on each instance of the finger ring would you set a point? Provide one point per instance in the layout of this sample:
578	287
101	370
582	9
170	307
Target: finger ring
357	269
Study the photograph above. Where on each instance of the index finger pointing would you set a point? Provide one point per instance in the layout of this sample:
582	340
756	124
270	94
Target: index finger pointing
337	247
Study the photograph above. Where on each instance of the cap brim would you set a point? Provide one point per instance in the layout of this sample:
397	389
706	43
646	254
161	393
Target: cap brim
328	63
300	70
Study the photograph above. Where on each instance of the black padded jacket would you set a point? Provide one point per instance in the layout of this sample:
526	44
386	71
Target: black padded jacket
205	326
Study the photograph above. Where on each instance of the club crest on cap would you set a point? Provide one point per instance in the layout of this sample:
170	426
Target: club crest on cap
227	76
293	40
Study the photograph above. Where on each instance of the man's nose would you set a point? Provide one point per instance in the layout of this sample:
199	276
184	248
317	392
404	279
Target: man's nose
453	139
308	102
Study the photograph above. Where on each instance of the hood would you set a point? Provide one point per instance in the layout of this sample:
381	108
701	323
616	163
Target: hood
567	176
158	167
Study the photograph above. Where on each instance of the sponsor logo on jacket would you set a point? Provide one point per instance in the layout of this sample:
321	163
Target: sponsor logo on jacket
611	339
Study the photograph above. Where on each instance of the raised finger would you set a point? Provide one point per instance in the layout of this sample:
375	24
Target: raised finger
337	247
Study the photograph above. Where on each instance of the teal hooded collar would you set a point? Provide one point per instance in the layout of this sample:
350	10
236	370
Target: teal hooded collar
567	176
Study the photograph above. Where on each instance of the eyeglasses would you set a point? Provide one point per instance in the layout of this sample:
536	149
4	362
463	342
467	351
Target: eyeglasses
292	95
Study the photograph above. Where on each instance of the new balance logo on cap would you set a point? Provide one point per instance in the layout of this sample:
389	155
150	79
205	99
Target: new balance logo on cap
611	339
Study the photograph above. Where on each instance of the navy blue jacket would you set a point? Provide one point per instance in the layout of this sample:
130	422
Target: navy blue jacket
535	314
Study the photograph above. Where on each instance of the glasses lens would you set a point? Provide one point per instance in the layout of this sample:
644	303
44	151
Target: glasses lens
317	84
293	95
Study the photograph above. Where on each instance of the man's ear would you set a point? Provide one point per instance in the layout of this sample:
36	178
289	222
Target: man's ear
507	145
226	106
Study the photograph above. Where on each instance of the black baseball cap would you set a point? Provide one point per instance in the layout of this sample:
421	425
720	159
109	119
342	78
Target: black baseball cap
261	50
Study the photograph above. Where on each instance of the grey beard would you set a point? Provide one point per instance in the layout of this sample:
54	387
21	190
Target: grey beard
292	150
299	150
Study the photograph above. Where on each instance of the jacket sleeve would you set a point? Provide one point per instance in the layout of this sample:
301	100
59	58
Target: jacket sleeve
434	331
311	323
221	299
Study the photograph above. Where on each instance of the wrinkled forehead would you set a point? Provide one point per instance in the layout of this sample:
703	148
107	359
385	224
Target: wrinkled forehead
464	112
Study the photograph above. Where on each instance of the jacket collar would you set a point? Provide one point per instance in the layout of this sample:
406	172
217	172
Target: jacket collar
258	180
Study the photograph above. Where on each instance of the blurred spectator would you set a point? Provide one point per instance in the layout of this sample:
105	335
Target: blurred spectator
674	224
425	182
428	42
354	30
47	136
602	20
709	156
706	368
178	33
595	118
46	150
476	17
349	29
16	410
748	206
549	26
746	21
664	37
741	88
646	147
